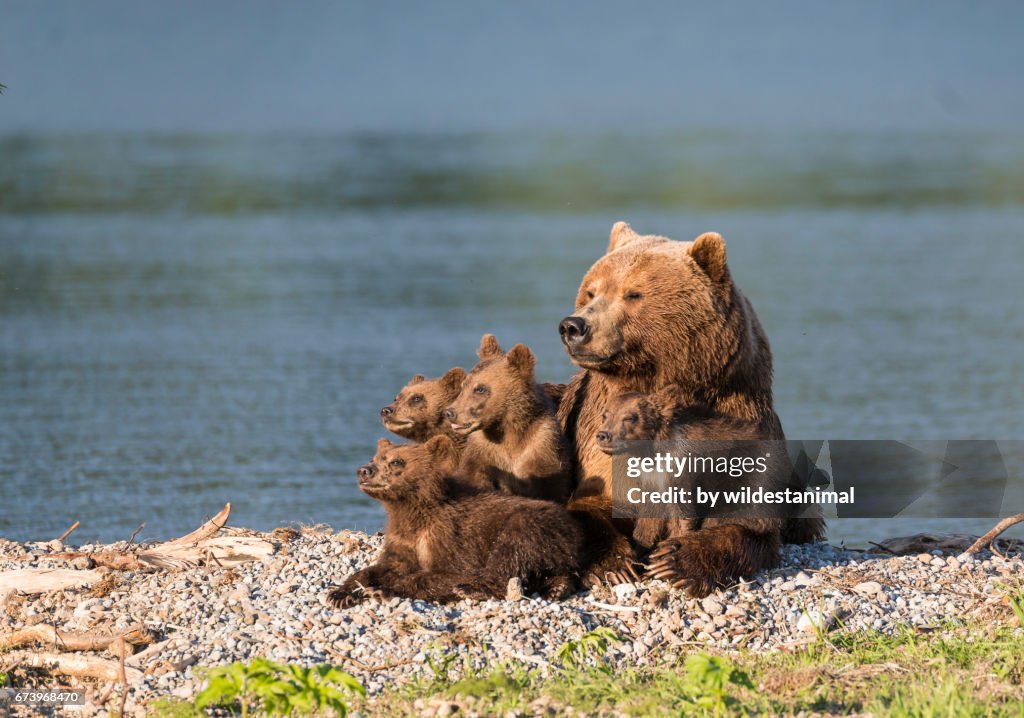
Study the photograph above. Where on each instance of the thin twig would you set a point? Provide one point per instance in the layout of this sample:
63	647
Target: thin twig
68	532
135	533
880	546
991	536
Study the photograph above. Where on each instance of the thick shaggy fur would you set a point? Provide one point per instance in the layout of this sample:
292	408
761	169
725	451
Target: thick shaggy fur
652	313
514	442
445	540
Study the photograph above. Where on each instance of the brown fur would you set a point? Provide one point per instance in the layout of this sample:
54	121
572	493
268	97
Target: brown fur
656	312
417	411
661	417
445	541
514	441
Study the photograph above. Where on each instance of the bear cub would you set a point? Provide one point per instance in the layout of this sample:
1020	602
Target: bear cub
665	416
417	413
446	540
694	554
514	441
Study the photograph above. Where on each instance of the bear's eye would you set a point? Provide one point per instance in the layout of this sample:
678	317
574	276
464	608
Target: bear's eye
634	295
632	418
604	416
396	463
480	389
416	399
589	294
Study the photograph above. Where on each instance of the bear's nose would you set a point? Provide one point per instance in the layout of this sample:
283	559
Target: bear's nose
573	330
387	411
604	436
366	471
449	414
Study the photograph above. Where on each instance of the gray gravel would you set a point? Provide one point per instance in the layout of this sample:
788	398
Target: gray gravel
276	608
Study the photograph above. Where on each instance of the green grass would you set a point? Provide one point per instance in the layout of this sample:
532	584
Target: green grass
950	670
954	670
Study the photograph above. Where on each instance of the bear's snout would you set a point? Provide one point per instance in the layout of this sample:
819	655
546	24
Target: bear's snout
449	414
366	471
387	411
604	437
574	331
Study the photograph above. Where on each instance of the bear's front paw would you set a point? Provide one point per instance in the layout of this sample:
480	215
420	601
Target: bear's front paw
342	598
677	561
619	566
352	593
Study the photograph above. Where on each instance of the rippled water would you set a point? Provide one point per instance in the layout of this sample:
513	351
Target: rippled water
188	320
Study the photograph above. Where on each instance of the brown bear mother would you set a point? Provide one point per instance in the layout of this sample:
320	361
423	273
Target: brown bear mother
653	312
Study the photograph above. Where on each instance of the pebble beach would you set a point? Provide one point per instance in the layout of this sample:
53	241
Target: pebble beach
276	608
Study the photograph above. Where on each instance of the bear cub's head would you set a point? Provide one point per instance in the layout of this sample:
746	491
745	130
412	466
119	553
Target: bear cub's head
405	472
637	417
417	411
495	388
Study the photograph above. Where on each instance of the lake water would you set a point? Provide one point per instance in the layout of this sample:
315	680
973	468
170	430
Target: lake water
187	320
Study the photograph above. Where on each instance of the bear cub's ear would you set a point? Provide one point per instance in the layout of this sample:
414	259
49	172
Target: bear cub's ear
489	347
383	444
452	380
622	234
708	251
666	400
442	450
521	359
417	379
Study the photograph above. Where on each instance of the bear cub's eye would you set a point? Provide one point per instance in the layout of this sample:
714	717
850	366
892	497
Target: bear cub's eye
632	418
634	295
590	295
416	399
480	389
396	463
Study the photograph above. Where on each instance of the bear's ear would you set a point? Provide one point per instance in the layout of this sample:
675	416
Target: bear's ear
666	400
416	379
622	234
442	449
453	378
521	359
489	347
383	444
708	251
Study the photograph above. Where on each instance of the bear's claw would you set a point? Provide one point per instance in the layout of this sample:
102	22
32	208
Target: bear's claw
347	595
677	566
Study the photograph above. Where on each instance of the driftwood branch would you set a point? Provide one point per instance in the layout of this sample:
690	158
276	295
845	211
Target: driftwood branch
205	531
68	532
117	560
986	540
37	580
75	665
71	641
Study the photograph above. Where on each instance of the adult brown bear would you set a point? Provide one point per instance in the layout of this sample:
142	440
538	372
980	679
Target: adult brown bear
653	312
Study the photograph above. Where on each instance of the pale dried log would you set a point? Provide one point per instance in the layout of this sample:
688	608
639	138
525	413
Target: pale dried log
41	580
117	560
76	665
224	551
72	641
986	540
